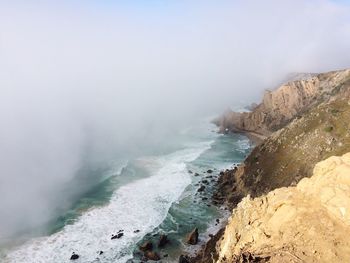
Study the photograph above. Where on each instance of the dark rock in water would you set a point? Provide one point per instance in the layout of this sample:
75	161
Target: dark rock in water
190	172
152	255
204	198
209	171
117	236
121	230
196	174
201	188
100	253
136	231
163	240
165	255
218	220
183	259
146	246
74	256
205	182
222	173
192	237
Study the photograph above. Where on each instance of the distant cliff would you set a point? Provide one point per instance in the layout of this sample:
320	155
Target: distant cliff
306	223
280	106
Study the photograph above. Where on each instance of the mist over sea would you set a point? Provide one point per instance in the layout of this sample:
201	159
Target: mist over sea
143	196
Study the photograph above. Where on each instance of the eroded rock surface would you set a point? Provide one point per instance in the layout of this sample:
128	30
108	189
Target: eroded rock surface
280	106
306	223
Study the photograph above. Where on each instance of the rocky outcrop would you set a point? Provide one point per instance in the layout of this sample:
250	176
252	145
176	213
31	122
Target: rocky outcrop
309	222
282	105
289	154
192	237
304	122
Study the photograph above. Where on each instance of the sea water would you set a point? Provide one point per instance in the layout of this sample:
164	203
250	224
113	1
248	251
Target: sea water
142	197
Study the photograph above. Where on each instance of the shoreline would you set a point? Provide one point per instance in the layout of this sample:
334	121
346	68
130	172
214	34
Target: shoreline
220	198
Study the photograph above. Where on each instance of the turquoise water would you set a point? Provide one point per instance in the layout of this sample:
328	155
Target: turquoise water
155	193
191	211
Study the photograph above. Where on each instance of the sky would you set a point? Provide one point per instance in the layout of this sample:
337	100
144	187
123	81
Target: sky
81	80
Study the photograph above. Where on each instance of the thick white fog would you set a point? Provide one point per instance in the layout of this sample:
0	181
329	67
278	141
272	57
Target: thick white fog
80	81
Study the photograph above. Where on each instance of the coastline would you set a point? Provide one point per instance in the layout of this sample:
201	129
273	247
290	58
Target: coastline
298	136
225	200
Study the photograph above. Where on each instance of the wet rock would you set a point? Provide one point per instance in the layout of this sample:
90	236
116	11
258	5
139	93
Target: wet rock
209	171
163	240
74	256
146	246
100	253
192	237
218	220
152	255
183	259
165	255
190	172
201	188
205	182
136	231
117	236
196	174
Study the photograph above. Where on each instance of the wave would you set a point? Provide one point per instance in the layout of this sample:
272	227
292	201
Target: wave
140	205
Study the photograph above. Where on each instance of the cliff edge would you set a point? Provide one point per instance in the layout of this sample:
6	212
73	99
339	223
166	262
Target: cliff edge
280	106
306	223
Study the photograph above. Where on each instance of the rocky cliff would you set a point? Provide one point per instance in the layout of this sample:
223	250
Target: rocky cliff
306	223
280	106
290	154
315	127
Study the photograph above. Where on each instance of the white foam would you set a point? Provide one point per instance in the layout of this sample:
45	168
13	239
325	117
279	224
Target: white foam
142	205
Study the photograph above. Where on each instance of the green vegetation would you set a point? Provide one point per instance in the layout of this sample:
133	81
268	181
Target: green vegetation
328	129
291	153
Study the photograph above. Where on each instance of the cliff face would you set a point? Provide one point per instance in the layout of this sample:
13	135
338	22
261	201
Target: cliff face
306	223
290	154
306	121
285	103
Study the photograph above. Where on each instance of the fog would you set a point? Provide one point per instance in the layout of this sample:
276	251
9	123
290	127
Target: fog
83	80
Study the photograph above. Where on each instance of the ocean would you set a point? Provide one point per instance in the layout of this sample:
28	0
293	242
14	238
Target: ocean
141	197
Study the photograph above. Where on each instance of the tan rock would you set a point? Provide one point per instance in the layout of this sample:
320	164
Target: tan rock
306	223
280	106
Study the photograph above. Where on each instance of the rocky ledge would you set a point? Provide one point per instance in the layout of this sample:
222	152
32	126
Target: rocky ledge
306	223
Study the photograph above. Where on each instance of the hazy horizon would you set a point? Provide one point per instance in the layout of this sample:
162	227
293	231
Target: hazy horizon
91	78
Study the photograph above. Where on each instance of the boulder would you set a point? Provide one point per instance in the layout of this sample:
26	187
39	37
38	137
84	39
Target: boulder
192	237
201	188
117	236
183	259
163	240
74	256
147	246
152	255
209	171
